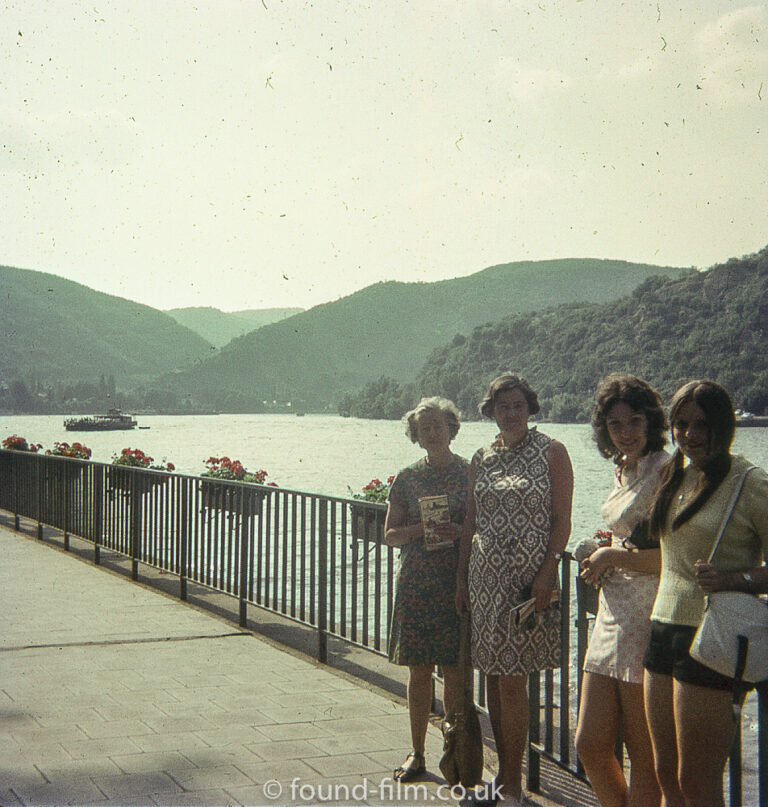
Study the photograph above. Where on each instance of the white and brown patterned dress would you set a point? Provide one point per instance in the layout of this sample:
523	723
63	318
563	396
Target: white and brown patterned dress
513	494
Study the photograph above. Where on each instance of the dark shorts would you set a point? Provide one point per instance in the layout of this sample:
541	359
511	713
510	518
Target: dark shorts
667	654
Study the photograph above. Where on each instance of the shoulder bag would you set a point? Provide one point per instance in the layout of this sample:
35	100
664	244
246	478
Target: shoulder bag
732	638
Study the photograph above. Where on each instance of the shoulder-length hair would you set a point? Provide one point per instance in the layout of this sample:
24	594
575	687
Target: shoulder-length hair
503	383
717	406
433	404
639	396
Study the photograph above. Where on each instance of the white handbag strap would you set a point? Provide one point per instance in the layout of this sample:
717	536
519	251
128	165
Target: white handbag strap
729	511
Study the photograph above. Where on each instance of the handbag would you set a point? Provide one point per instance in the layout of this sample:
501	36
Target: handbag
462	760
732	638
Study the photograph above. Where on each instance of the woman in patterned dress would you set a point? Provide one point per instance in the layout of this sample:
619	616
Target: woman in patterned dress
425	625
628	424
520	510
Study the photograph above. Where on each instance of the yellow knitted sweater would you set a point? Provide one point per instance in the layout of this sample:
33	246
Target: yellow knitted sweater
679	600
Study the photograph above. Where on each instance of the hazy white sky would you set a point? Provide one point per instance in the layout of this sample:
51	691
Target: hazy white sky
258	153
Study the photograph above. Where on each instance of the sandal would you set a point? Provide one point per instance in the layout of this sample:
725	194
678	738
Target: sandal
413	766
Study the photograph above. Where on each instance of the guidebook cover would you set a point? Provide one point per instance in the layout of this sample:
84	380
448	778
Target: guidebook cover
434	511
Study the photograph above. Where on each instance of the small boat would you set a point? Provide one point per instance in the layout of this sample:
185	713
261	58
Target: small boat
114	420
750	419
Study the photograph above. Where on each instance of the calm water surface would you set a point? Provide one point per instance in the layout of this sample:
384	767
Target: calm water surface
330	454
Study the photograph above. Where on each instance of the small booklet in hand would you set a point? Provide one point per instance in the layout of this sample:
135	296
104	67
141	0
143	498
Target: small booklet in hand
434	511
525	609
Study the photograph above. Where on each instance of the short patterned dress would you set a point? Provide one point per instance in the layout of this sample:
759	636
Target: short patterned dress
513	494
622	626
425	626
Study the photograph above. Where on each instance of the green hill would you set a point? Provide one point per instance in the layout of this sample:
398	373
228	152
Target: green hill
390	328
711	324
220	327
58	331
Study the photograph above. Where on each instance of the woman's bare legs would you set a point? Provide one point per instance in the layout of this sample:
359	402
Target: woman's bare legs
450	686
596	734
643	784
659	710
705	729
508	709
419	703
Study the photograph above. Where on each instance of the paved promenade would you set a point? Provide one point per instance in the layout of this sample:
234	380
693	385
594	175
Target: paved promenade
113	693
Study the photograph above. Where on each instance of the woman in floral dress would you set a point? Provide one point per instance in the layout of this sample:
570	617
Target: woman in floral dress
520	510
425	625
628	424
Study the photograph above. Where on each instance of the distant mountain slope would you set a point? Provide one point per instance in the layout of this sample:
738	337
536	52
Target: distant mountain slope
390	328
711	324
56	330
220	327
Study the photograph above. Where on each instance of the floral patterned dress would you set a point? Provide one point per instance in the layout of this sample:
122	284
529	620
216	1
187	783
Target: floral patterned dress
425	626
513	493
622	626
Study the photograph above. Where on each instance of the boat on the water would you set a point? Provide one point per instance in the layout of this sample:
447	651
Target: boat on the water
114	420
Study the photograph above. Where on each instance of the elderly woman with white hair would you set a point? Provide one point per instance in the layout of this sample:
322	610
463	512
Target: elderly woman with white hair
425	625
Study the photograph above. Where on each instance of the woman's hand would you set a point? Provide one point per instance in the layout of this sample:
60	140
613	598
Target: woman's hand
449	531
594	567
543	585
707	577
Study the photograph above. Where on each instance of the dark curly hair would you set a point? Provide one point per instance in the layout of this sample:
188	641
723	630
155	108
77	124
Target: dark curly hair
717	406
640	397
503	383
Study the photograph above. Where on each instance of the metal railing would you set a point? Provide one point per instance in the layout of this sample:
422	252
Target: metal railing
318	560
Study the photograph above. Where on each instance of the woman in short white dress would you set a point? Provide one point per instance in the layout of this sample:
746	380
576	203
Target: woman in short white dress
629	427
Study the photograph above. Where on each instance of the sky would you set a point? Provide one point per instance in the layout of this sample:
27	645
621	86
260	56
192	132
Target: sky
257	153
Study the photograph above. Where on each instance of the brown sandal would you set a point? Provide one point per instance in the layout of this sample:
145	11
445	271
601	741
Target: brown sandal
413	766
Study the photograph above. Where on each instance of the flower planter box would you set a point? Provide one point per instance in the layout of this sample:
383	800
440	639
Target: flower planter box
121	480
366	524
221	497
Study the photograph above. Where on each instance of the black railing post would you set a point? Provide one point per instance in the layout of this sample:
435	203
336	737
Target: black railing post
534	731
734	770
97	509
16	470
322	584
39	498
245	532
184	532
64	473
135	522
565	658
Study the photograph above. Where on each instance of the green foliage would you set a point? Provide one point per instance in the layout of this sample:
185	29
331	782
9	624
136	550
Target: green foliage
383	399
712	324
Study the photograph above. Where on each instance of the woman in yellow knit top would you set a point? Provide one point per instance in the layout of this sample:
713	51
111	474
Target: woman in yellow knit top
687	704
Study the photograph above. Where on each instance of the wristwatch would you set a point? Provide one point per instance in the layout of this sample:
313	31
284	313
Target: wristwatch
558	556
748	578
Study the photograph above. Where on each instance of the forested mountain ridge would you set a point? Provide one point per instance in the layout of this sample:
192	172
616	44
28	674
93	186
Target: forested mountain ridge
389	328
56	331
711	324
221	327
